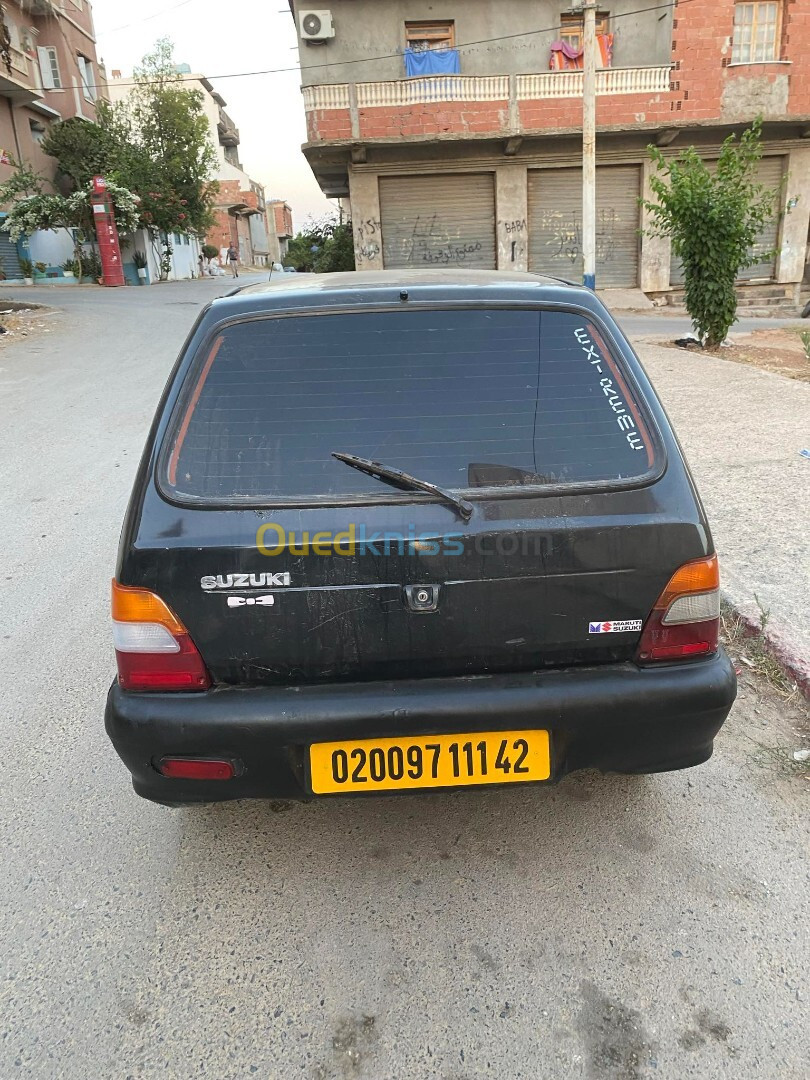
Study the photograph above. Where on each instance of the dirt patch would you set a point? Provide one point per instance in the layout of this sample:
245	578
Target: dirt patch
773	701
779	351
15	306
20	321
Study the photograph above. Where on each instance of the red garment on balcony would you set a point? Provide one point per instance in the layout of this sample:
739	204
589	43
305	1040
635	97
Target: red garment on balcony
564	58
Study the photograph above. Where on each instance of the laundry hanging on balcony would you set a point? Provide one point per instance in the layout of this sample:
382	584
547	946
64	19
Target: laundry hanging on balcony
566	58
420	62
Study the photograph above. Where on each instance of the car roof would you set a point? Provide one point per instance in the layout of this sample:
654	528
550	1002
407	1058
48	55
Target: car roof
381	287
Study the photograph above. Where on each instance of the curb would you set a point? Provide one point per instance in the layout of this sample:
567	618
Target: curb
792	663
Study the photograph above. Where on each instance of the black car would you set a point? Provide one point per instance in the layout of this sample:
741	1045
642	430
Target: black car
413	530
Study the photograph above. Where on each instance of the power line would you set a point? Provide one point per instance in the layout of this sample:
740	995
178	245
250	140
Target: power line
148	18
371	59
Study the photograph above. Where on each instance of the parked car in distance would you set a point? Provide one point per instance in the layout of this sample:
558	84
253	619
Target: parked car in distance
290	270
407	531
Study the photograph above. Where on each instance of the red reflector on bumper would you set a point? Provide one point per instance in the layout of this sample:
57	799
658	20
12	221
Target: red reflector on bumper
197	769
673	652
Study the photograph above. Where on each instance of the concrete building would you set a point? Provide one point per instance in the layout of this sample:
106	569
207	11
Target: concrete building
240	208
54	75
281	221
474	158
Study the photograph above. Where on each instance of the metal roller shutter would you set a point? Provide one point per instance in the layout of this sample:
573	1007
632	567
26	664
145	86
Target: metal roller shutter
441	220
555	224
769	173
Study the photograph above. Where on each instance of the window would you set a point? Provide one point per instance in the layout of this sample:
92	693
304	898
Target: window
49	67
757	31
572	29
268	401
88	79
430	35
38	131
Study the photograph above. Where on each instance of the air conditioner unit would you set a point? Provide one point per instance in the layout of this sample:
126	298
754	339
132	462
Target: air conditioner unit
316	25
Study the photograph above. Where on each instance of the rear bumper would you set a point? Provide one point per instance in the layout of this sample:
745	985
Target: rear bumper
617	719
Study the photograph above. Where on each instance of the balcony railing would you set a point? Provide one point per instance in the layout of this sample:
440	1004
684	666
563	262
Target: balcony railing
326	96
568	84
549	84
433	88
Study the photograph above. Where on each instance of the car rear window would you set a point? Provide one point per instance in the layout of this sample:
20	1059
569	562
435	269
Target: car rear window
466	399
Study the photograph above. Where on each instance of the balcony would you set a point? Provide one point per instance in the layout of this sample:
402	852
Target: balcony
472	105
609	81
227	130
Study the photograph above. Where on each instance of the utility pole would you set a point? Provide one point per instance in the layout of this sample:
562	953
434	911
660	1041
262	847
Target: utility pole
589	147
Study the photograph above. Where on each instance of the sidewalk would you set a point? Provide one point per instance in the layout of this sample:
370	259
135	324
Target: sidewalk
742	430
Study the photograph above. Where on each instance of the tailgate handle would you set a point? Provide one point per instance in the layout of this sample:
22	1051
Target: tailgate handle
422	599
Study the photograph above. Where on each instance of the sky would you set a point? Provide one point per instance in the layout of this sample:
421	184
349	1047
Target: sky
220	39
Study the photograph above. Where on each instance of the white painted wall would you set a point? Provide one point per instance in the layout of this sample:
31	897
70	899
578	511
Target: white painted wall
185	259
51	247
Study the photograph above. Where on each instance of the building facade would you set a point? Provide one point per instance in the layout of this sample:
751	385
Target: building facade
281	222
54	75
240	207
454	129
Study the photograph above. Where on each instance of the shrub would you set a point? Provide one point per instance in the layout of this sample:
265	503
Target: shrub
714	221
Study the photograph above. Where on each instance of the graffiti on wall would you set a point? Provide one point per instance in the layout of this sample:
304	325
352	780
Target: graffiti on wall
367	241
430	244
564	231
513	237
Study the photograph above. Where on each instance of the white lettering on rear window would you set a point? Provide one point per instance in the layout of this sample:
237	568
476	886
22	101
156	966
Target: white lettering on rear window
627	424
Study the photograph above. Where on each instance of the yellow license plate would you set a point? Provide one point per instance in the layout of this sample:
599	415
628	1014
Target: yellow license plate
430	761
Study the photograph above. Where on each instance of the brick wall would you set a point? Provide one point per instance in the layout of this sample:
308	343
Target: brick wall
437	118
329	124
282	219
227	228
223	233
705	87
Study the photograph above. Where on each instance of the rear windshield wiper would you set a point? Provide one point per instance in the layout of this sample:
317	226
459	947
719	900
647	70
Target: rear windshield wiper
399	479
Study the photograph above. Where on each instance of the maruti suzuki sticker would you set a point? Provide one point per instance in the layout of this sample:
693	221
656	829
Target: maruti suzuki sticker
626	626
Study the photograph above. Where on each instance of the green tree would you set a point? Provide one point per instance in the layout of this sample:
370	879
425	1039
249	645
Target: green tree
164	150
714	221
323	246
83	149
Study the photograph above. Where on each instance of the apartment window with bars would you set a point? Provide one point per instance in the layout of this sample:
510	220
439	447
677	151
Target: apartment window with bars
757	32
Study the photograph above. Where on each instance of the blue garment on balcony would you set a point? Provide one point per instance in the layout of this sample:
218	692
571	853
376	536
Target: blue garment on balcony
432	62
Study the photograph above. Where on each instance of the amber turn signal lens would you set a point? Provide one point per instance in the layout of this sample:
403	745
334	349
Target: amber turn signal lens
700	576
142	606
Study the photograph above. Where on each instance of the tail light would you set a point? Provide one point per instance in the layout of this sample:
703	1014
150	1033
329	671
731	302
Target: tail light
685	620
152	647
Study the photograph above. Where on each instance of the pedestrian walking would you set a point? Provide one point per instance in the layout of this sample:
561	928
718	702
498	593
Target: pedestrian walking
202	266
233	260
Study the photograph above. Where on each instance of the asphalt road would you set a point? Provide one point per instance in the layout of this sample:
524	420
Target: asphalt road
605	928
